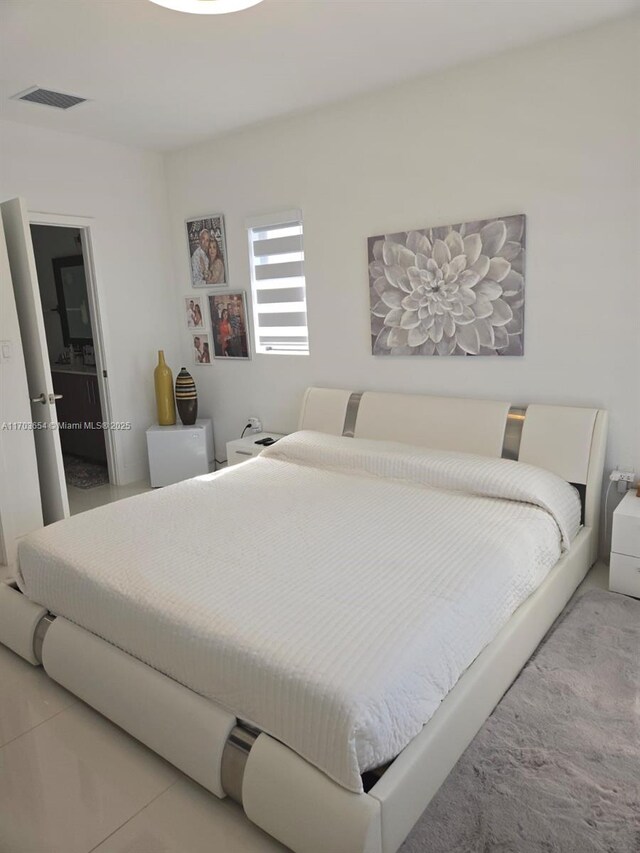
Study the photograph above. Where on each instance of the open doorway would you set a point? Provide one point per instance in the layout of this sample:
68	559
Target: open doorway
70	329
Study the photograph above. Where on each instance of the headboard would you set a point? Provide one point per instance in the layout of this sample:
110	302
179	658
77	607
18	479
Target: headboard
568	440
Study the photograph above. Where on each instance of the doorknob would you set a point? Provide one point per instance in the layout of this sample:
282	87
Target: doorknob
44	398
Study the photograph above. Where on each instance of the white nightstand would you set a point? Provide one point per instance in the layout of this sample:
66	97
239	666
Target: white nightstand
179	452
241	449
624	568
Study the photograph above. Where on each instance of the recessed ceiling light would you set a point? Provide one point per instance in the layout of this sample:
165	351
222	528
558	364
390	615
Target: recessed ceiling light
207	7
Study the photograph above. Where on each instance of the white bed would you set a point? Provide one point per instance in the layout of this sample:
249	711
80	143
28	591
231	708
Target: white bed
346	608
374	576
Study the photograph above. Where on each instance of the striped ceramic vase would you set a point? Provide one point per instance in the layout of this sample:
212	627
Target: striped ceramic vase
186	397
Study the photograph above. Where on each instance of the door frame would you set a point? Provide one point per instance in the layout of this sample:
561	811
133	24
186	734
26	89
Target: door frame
84	225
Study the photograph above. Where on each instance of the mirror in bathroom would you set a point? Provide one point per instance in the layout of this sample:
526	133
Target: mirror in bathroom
73	301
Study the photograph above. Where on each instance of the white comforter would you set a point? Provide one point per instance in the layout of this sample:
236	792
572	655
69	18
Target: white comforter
331	591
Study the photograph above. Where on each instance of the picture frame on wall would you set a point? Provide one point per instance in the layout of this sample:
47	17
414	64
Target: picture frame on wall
453	290
207	251
194	312
229	325
201	349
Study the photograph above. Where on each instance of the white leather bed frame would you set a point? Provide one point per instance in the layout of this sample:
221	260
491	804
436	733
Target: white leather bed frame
279	791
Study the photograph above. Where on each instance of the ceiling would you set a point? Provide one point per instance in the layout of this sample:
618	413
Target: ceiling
162	79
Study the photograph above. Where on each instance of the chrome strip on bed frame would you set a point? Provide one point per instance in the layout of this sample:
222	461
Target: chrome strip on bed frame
38	636
351	414
236	752
513	432
234	759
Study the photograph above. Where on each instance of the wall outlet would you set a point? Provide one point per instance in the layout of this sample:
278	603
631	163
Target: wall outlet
256	424
624	479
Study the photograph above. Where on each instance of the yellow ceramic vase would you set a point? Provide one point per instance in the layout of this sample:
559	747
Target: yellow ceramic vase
163	380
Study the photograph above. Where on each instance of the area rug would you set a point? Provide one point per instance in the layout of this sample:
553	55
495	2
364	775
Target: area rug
556	767
83	474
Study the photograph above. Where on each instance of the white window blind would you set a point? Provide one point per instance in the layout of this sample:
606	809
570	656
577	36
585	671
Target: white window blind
276	255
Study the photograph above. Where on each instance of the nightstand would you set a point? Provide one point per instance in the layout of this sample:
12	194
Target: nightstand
624	568
241	449
179	452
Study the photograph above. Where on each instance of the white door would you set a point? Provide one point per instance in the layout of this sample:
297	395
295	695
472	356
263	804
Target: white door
55	503
20	507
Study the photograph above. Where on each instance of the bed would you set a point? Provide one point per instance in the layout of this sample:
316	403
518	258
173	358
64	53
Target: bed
327	671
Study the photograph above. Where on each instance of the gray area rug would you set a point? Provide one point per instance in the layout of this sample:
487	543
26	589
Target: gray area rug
84	474
556	767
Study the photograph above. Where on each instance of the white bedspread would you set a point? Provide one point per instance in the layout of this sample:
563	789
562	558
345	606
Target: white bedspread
331	591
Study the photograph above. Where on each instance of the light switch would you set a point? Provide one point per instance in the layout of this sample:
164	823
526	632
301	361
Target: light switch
5	350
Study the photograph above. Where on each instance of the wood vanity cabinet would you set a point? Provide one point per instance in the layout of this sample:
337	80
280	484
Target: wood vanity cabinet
80	404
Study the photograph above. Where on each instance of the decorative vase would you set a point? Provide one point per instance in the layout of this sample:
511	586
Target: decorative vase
163	381
186	397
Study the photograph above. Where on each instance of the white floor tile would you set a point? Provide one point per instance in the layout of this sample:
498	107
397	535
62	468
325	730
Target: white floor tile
80	500
69	783
187	819
27	696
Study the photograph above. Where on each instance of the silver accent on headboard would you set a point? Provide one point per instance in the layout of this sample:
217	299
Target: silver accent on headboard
351	414
513	432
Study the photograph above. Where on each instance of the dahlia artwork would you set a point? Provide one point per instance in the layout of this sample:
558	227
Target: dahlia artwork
451	290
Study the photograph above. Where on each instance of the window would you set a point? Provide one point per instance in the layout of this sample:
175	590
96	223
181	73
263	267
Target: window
278	290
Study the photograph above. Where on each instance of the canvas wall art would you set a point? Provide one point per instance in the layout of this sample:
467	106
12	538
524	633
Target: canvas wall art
450	290
207	251
229	325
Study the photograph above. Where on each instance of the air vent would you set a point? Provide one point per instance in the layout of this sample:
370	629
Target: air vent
48	98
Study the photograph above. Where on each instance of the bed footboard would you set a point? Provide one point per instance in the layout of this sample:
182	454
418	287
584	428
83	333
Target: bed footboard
279	791
178	724
19	621
301	807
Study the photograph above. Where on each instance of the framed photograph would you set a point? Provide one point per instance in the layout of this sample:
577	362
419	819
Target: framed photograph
207	251
453	290
194	312
229	326
201	349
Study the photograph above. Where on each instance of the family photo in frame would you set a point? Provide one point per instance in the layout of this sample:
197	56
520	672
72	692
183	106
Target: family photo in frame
201	350
229	325
194	312
207	251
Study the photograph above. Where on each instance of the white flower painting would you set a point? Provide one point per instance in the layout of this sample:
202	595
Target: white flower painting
452	290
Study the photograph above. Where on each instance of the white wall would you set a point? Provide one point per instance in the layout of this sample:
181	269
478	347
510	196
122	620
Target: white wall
122	192
551	131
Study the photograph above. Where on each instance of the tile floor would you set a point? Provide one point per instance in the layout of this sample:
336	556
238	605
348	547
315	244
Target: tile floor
72	782
81	500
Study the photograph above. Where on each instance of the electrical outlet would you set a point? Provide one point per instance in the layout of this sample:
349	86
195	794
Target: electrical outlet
626	476
256	424
624	479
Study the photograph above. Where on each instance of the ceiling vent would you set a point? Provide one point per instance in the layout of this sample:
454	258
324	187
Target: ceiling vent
48	98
